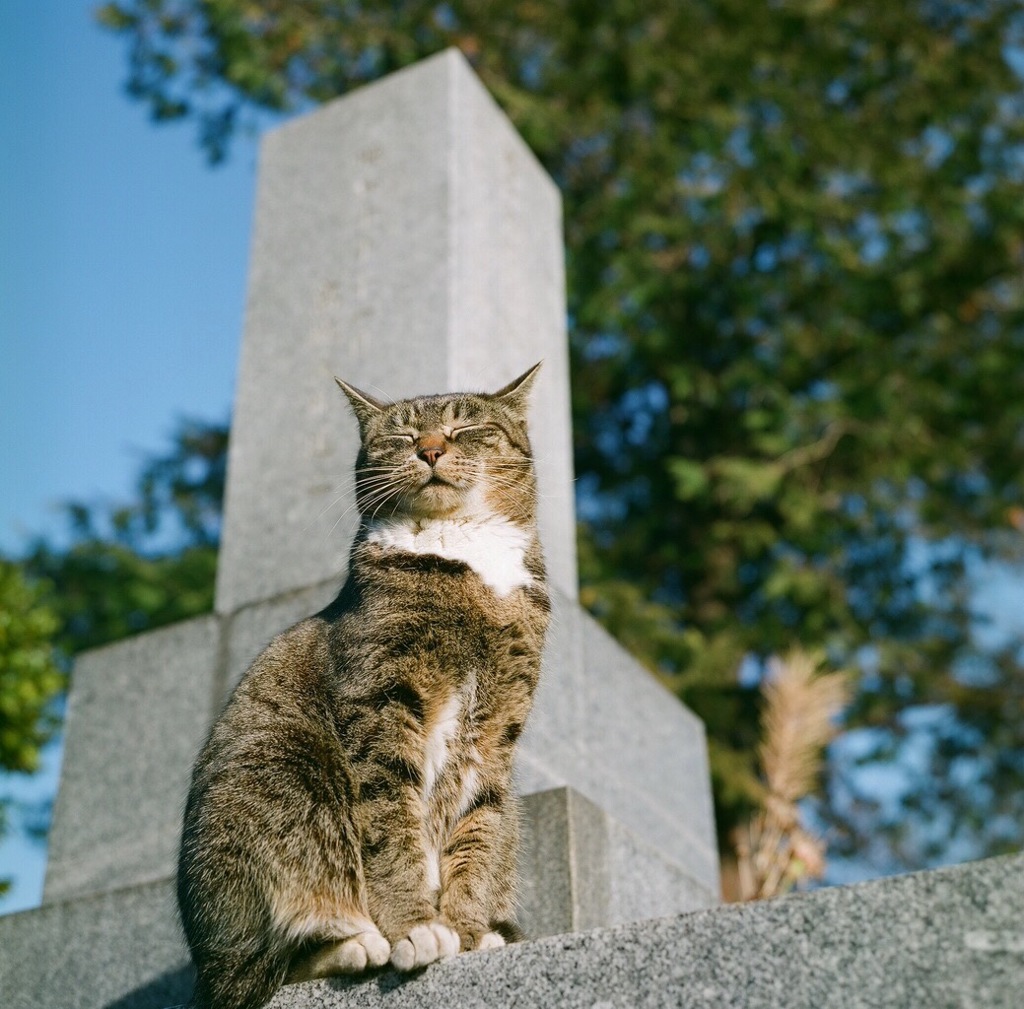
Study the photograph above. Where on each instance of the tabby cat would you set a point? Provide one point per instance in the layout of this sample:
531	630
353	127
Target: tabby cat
353	804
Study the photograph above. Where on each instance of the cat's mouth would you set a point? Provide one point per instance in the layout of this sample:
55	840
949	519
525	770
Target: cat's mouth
438	495
436	480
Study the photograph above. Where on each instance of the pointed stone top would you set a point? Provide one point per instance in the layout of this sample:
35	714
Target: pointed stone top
407	240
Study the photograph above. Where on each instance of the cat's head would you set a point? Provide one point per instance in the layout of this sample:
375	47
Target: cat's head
458	455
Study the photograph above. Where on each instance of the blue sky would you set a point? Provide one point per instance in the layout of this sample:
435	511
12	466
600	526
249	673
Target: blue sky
122	283
122	269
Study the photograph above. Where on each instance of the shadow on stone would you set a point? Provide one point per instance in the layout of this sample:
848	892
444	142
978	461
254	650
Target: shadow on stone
171	990
385	979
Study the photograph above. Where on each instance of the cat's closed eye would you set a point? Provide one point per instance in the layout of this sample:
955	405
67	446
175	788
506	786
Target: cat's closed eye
488	434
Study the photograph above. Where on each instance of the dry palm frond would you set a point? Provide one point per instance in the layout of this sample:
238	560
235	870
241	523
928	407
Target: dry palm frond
774	850
800	705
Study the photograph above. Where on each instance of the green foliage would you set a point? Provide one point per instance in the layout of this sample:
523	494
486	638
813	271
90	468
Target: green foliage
30	676
105	591
127	568
797	309
134	567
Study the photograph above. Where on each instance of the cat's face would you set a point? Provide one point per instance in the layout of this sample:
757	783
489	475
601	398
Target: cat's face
462	455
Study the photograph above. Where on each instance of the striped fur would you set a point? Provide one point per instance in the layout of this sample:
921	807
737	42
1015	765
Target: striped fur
353	803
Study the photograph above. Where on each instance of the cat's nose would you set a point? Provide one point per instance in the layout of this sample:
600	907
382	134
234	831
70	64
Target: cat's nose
431	453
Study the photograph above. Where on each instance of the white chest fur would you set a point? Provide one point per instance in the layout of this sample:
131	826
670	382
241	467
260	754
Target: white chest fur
491	545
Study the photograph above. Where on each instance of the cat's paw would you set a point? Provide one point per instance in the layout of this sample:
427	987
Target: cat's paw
490	940
479	937
368	949
424	944
350	955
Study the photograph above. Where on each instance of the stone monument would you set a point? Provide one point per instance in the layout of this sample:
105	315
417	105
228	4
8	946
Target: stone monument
406	239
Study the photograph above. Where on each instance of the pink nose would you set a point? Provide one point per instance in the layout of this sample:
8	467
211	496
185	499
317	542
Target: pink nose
431	455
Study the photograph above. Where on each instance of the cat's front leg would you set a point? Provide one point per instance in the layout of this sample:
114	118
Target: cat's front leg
478	871
400	891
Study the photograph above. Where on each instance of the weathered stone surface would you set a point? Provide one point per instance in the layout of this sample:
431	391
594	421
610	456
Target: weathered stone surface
602	725
137	715
950	939
655	743
406	239
581	868
119	950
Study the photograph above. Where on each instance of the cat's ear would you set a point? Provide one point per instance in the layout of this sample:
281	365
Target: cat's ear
517	394
364	406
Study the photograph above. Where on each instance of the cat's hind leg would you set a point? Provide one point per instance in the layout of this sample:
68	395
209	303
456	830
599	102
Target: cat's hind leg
330	933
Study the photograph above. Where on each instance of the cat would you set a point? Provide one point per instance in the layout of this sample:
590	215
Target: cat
353	804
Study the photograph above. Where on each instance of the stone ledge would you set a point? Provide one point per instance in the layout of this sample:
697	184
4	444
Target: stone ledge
948	939
581	868
118	950
138	714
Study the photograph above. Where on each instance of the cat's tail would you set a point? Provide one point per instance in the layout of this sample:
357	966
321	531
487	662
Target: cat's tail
244	978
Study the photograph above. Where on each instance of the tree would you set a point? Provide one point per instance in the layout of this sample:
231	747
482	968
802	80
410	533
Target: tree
128	568
31	678
137	566
795	260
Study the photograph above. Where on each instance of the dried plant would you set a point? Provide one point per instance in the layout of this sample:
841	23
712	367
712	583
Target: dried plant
775	850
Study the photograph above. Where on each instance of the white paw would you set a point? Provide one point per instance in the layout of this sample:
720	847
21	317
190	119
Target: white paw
424	944
368	949
378	949
350	955
490	940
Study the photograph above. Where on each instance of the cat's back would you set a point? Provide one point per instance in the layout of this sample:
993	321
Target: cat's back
290	671
281	702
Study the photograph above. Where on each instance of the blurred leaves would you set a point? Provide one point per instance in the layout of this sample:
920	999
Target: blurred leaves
136	566
30	676
124	568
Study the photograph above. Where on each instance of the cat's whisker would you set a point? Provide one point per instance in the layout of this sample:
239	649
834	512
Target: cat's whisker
323	511
374	469
340	492
373	502
366	498
371	490
337	522
380	480
380	505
